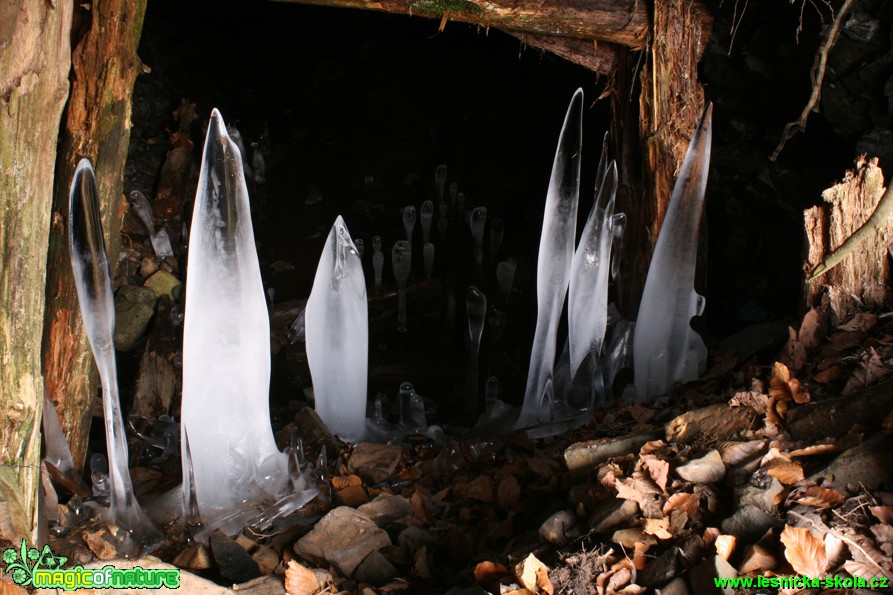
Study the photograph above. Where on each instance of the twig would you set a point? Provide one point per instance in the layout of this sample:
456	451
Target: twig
841	537
878	219
818	76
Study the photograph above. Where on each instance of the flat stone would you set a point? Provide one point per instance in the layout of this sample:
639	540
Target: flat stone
869	464
702	576
706	469
342	538
660	570
163	283
233	562
611	514
386	509
762	495
748	524
555	528
134	307
374	462
375	570
719	421
676	586
628	538
582	457
148	266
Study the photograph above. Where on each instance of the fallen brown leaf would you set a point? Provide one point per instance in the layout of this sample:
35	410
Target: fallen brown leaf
486	573
652	446
757	559
687	503
804	551
783	386
862	321
658	470
508	494
788	473
725	546
828	375
619	579
863	570
814	450
735	453
300	580
870	369
658	527
821	497
534	575
339	482
639	557
882	513
756	401
802	341
481	488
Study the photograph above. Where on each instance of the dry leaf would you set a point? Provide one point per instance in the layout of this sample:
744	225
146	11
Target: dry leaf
815	449
509	492
7	587
652	446
682	501
882	532
868	372
658	470
417	499
862	321
725	545
863	570
710	535
882	513
735	453
339	482
481	488
757	559
486	573
300	580
804	551
619	579
658	527
821	497
543	467
784	387
788	473
639	557
534	575
756	401
828	375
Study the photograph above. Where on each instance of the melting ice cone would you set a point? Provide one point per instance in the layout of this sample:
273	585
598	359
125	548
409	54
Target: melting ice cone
666	349
226	343
337	334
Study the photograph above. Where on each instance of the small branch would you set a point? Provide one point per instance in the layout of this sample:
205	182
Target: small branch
818	76
878	219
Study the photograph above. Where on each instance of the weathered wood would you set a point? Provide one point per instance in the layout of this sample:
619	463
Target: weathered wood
597	57
97	126
623	22
34	63
671	102
860	280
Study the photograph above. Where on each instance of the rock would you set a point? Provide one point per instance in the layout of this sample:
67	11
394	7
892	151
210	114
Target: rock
628	538
233	562
660	570
759	492
100	544
156	380
748	524
554	529
581	457
375	570
194	557
267	559
869	464
676	586
374	462
163	283
312	429
386	509
147	267
584	498
706	469
343	538
134	307
611	514
702	575
412	539
719	421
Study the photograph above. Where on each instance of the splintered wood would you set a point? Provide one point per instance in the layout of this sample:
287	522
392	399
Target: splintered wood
860	279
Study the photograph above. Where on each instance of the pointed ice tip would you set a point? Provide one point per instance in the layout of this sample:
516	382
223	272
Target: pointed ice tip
83	165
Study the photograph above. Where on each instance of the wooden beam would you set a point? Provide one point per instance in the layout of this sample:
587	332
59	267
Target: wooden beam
624	22
600	57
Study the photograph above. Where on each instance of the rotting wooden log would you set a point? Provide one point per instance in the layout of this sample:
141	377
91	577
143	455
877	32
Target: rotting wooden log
835	417
671	102
860	279
623	22
97	126
597	57
34	65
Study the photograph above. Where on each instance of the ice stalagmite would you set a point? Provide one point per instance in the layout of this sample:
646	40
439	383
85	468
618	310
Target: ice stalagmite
337	322
92	279
666	350
588	292
226	344
554	263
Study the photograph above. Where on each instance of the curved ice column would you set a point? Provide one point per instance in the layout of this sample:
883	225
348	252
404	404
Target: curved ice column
378	428
497	233
505	278
412	409
440	177
666	349
161	243
401	259
377	267
454	192
476	307
478	222
337	324
588	289
376	243
554	262
428	255
57	452
226	341
409	217
92	279
426	215
236	137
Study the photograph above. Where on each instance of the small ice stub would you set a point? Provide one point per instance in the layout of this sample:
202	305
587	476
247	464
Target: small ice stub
337	336
57	453
226	344
377	268
554	263
428	256
426	216
476	307
478	223
401	261
413	419
409	217
497	233
161	243
92	279
666	350
505	278
588	288
440	177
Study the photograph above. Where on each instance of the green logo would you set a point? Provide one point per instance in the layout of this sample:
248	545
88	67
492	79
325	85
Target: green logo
43	569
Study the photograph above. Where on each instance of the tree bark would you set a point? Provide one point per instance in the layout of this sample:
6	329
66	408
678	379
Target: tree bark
34	64
624	22
597	57
97	126
860	280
